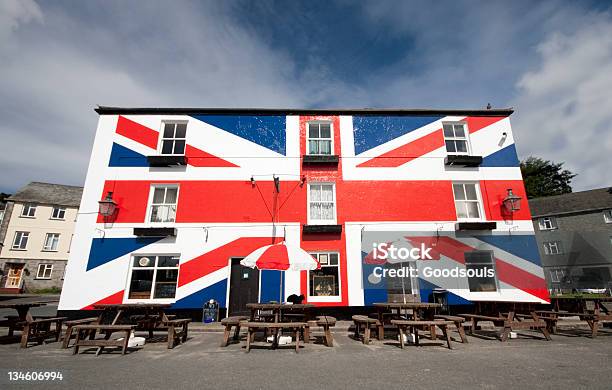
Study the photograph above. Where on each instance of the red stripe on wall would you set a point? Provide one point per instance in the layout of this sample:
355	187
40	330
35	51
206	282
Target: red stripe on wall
495	191
137	132
407	152
113	299
200	158
218	258
476	123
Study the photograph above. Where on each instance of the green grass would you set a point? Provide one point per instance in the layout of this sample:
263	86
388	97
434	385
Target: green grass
51	290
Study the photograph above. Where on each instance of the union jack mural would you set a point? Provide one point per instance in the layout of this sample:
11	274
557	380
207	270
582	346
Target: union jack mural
329	182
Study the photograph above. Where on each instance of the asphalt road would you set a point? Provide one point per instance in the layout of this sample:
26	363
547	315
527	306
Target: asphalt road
572	361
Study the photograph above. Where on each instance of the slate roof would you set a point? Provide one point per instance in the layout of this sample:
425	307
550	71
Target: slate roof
591	200
47	193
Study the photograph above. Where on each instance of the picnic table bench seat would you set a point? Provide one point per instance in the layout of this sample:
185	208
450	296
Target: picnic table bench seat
39	329
228	323
551	317
458	321
70	327
177	330
253	326
414	325
367	324
325	322
82	341
510	322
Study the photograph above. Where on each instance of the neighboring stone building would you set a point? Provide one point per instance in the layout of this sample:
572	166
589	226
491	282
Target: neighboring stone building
574	233
35	236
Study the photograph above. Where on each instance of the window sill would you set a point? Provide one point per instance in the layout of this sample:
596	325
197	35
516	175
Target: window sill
57	219
320	159
27	216
42	278
166	160
19	249
316	229
463	160
155	232
49	250
475	225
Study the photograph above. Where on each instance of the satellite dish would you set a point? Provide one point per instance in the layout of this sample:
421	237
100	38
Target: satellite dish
144	261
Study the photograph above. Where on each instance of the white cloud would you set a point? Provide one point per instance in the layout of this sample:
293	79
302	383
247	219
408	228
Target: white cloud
14	13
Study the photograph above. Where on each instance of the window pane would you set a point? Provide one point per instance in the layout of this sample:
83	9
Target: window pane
168	261
461	210
313	130
144	261
181	129
324	147
473	211
158	195
324	282
470	190
141	283
327	211
450	146
325	130
327	193
169	130
459	131
315	211
458	190
324	258
167	147
313	147
448	131
480	262
165	283
179	147
461	146
333	259
315	193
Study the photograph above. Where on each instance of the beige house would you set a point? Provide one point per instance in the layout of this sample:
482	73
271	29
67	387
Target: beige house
35	236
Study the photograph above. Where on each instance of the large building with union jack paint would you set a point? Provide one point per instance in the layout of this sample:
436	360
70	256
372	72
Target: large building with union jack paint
196	190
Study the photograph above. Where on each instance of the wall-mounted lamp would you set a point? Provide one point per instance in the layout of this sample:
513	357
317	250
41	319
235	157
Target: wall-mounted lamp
252	181
302	181
512	202
107	206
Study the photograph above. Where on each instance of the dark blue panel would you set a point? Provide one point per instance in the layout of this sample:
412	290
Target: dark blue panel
270	286
521	245
371	131
505	157
104	250
124	157
426	288
196	300
268	131
372	293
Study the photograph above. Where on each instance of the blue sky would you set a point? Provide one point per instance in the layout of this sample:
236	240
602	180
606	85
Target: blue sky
551	61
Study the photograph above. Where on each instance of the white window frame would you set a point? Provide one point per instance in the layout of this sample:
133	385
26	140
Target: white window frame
334	201
481	211
331	298
60	210
162	138
44	267
554	275
331	135
29	207
548	245
494	266
543	223
607	216
21	234
47	248
155	268
466	138
150	202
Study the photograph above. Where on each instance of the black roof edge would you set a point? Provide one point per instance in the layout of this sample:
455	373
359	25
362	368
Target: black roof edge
106	110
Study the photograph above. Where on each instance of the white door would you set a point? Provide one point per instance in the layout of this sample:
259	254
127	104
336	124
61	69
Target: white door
13	279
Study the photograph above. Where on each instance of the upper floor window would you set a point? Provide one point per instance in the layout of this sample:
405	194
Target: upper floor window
29	210
456	138
21	240
44	271
547	223
483	277
320	138
58	213
51	242
467	201
163	203
173	140
321	203
325	282
608	216
153	277
553	248
1	215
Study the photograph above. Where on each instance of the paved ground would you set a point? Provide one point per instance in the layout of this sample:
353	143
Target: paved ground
571	361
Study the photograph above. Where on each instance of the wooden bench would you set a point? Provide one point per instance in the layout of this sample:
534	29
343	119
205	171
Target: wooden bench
70	327
414	325
367	324
325	322
177	331
82	341
458	321
509	323
39	329
228	323
551	317
276	327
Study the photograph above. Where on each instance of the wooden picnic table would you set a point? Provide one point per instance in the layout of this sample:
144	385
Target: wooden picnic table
278	310
152	314
420	311
32	329
22	308
509	322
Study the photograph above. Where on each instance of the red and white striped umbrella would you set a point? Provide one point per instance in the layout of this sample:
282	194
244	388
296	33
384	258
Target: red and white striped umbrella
281	257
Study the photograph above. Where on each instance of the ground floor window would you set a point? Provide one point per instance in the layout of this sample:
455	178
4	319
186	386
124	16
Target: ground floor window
480	267
153	277
325	282
557	275
44	271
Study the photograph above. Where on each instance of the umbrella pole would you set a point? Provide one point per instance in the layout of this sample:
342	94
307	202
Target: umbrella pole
280	293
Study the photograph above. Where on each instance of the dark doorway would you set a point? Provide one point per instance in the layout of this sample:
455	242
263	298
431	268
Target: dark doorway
244	288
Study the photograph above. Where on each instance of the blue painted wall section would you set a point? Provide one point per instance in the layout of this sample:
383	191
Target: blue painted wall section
521	245
270	286
371	131
217	291
505	157
123	157
104	250
268	131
